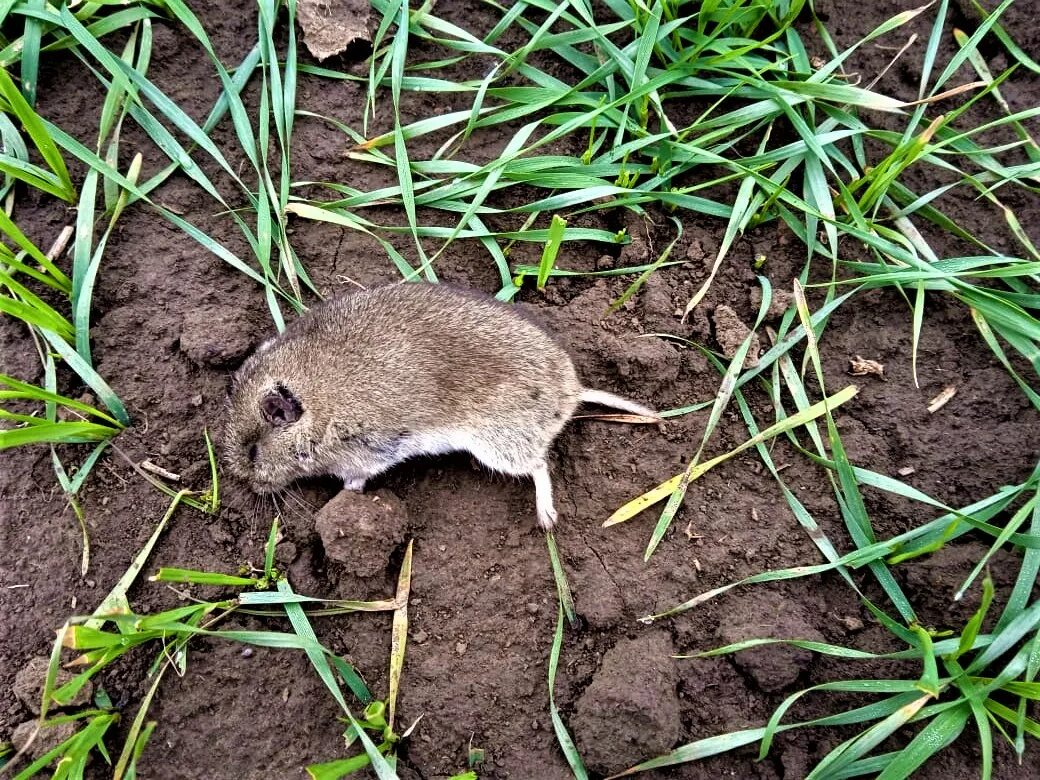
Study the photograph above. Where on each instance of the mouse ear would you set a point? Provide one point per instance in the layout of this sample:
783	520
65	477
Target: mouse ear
280	407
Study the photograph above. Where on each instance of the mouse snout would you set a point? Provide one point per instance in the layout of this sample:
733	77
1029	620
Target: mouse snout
257	471
262	488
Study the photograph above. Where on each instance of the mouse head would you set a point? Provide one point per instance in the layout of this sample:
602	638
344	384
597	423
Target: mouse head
268	439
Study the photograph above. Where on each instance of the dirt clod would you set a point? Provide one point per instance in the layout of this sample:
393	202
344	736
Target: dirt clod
330	26
637	250
28	684
772	667
361	530
214	336
730	332
778	304
47	738
635	686
598	599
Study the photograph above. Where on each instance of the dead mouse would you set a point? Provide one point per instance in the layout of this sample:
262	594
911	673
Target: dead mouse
366	380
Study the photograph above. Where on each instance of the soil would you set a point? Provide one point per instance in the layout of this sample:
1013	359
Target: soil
170	323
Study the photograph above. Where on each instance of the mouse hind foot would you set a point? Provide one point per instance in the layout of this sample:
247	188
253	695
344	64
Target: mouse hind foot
543	499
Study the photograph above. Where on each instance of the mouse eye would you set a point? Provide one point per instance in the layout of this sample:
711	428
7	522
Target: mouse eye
280	407
253	453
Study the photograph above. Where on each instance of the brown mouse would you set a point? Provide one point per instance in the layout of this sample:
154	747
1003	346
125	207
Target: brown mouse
369	379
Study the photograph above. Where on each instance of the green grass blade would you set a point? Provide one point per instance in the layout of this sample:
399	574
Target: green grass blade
116	599
17	104
33	32
552	248
300	623
570	750
937	735
81	262
88	375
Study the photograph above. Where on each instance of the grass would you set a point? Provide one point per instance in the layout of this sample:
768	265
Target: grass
114	630
996	666
701	111
757	83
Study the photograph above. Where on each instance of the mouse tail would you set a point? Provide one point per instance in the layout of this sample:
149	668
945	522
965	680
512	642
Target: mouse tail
604	398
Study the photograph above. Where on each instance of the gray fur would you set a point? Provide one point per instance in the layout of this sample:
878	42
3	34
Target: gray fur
399	371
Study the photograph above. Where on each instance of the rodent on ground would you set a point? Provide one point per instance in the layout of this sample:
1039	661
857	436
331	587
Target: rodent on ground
366	380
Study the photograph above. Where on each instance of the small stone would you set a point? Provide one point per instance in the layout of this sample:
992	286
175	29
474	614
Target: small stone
247	652
420	636
532	608
196	400
460	648
852	623
28	685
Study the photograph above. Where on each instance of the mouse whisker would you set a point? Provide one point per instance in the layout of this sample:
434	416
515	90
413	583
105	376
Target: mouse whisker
296	496
287	509
254	512
276	506
266	509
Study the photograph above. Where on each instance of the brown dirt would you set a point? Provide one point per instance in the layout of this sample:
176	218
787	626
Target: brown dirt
171	321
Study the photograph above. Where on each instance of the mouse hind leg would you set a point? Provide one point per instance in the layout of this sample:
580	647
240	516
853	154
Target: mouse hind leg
543	498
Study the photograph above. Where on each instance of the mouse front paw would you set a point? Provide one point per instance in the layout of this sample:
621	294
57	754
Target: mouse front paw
354	484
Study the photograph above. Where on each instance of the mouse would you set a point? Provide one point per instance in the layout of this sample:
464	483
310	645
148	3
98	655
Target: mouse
368	379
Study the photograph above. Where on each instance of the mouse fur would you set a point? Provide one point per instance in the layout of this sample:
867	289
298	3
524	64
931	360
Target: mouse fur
366	380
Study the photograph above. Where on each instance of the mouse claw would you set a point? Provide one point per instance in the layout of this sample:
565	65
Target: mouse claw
355	485
546	518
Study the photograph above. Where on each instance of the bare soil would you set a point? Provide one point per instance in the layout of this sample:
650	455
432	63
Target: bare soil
171	322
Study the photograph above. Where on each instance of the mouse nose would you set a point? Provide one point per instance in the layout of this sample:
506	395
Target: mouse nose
253	452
